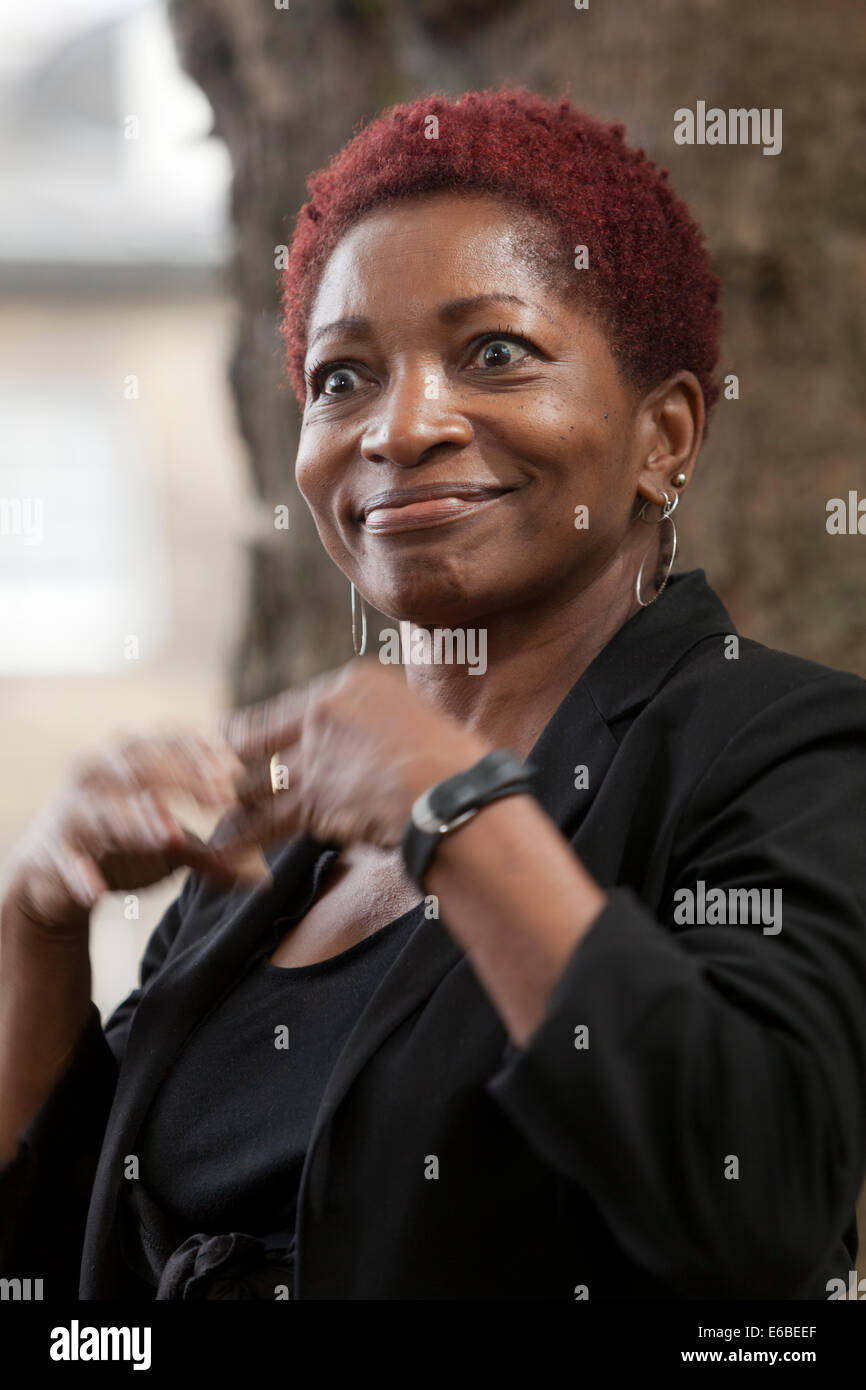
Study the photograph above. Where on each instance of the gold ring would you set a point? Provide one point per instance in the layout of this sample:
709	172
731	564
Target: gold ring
274	773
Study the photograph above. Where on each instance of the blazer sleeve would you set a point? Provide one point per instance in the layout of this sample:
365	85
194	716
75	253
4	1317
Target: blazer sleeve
717	1116
45	1189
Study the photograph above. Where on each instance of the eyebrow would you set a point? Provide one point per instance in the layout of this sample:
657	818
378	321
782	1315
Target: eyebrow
454	309
350	325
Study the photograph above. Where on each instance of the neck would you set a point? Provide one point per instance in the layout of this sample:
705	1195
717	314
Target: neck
534	655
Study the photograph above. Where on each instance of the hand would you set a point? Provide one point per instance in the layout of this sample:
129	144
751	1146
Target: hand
357	746
112	828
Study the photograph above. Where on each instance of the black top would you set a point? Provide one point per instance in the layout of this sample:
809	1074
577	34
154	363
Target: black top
446	1163
224	1141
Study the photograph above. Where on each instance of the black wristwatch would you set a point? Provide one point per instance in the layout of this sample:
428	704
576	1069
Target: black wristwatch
448	804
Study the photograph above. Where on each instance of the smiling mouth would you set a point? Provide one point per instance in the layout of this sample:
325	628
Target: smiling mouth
388	514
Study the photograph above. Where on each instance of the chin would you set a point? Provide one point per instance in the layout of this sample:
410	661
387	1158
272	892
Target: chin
428	603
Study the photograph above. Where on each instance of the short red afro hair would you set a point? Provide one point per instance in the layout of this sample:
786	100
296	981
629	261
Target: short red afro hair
649	277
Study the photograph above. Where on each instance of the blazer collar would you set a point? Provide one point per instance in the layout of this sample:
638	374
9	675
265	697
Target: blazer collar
640	656
624	675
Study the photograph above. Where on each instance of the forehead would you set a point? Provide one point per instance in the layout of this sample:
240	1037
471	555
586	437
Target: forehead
437	247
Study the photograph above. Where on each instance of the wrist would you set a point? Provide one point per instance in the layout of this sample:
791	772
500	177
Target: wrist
456	800
440	764
24	930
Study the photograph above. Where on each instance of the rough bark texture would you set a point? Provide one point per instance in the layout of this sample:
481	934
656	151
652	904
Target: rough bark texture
786	233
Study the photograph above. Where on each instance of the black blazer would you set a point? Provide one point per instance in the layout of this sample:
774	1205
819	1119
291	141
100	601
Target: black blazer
565	1171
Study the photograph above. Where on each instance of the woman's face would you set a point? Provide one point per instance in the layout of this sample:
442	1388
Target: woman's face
459	410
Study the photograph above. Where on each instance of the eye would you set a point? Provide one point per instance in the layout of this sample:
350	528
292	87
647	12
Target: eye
498	350
332	379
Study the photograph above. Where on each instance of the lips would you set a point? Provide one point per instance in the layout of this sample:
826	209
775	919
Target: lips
410	509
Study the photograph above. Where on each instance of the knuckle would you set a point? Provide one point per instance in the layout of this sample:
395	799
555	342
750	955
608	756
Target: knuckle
71	809
132	749
88	768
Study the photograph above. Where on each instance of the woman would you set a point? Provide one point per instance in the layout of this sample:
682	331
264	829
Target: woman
559	988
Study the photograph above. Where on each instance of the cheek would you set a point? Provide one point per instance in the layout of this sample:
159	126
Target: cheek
586	489
555	418
314	475
569	449
317	487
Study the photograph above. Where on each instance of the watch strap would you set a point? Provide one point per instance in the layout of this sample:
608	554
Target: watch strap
455	800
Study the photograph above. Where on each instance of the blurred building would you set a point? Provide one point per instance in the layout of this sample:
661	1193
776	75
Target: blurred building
122	481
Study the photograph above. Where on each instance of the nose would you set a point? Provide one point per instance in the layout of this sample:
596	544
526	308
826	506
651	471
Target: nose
415	416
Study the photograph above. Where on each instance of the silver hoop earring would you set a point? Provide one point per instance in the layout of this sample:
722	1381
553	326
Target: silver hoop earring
668	509
358	650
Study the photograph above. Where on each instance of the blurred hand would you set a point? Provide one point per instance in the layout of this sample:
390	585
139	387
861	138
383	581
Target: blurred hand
112	826
354	747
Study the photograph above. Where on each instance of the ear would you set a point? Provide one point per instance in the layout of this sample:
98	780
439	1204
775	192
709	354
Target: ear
670	428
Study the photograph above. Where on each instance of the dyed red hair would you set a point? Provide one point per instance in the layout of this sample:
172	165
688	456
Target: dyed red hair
649	277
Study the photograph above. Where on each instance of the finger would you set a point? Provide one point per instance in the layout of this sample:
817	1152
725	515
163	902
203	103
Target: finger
155	806
212	863
124	833
118	830
274	819
247	865
260	729
184	762
266	777
80	875
111	822
182	846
